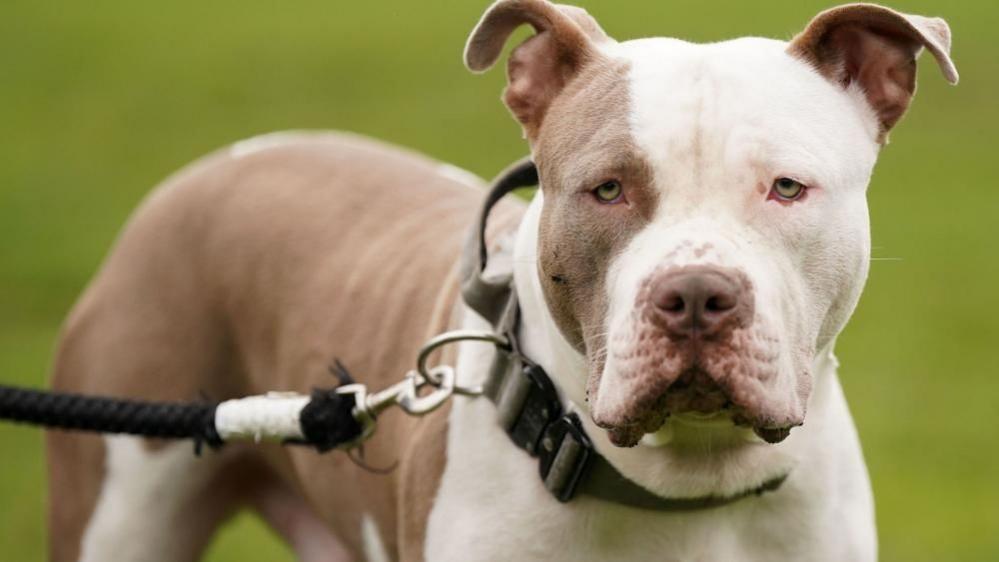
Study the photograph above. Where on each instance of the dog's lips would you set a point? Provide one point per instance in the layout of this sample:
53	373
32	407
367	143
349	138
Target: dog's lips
661	436
695	394
694	401
629	434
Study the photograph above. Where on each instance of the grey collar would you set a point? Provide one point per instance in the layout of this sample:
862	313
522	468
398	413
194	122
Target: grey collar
528	406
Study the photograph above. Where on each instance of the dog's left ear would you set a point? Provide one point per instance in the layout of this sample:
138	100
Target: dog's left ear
876	48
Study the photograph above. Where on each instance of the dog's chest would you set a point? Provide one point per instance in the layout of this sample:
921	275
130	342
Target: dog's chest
491	506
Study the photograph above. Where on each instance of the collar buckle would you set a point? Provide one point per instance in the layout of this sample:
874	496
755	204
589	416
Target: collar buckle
564	456
530	412
527	404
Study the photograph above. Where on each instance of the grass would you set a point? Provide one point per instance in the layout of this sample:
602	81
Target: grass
101	100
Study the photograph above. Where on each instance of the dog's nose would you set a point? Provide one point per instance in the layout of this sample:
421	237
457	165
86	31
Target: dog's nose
698	302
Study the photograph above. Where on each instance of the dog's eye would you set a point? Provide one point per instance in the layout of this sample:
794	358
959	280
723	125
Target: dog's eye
787	189
609	192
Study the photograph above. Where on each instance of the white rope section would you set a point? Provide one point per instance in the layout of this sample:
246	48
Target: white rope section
274	415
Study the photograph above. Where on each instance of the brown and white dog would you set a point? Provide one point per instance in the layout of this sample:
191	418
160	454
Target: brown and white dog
700	238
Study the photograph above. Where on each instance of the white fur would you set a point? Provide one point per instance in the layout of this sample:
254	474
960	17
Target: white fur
374	547
143	494
491	504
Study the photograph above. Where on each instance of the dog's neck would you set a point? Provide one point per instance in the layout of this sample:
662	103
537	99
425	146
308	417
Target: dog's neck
541	339
544	343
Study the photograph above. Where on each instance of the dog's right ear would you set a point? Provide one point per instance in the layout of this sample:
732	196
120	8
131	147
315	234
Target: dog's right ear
875	48
539	68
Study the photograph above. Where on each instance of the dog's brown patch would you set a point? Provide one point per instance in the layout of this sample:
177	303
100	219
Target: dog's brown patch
587	142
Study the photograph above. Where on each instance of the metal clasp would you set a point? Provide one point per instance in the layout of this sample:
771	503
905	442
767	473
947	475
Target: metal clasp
407	393
428	348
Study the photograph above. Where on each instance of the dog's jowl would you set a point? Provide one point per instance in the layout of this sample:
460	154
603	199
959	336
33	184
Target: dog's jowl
699	239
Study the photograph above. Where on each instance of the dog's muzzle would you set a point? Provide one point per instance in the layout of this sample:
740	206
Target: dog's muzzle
692	345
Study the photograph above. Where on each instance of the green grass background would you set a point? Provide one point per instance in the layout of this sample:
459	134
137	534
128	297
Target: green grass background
100	100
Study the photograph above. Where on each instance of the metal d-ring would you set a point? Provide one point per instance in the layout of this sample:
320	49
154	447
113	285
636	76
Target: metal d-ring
498	340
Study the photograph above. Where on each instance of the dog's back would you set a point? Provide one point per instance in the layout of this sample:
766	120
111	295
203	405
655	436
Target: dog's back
248	272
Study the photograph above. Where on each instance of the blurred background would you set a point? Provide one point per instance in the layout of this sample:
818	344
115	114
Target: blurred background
101	100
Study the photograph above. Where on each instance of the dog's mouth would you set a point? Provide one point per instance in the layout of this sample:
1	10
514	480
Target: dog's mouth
718	428
696	402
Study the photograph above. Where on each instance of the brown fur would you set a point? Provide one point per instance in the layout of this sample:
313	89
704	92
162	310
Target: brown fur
555	84
245	275
573	161
76	471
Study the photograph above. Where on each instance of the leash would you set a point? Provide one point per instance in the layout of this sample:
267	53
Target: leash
342	417
527	402
323	420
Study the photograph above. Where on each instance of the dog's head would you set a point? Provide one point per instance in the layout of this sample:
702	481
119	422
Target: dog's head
704	231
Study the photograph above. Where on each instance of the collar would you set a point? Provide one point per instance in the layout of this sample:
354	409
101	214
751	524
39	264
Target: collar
527	401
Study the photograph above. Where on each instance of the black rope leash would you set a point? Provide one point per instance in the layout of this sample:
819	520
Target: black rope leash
325	422
62	410
331	418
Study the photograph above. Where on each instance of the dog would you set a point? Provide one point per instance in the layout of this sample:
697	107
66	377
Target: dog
699	239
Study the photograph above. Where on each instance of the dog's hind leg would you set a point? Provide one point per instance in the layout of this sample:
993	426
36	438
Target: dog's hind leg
163	504
125	498
130	499
148	327
156	504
